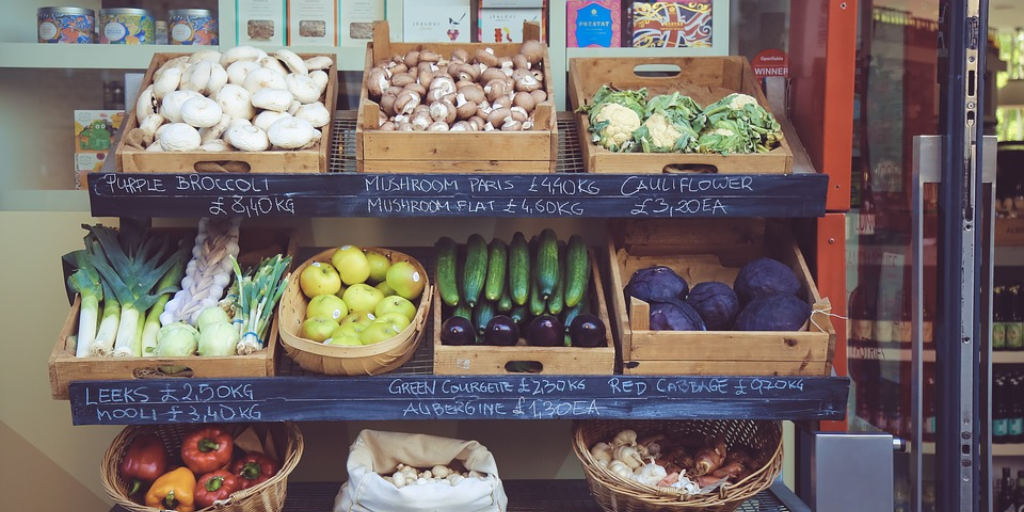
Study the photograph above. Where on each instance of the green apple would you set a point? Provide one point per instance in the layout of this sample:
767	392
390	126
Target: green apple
341	291
326	306
398	320
395	304
379	265
385	289
346	341
350	329
318	329
352	264
405	280
377	332
319	279
358	317
362	297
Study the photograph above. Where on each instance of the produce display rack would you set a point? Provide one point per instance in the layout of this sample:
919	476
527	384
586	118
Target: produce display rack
527	496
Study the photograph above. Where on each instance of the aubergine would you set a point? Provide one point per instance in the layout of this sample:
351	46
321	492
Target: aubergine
588	331
545	331
501	331
458	330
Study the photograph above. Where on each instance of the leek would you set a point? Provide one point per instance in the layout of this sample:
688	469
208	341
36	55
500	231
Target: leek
152	325
103	344
86	282
258	293
133	266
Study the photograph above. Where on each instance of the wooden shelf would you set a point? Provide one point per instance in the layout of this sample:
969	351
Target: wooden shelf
1007	357
998	450
82	56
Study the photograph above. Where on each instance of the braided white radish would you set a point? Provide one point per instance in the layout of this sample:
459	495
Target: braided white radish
208	274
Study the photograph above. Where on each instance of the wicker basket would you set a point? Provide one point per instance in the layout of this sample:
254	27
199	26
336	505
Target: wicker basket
268	496
338	360
618	494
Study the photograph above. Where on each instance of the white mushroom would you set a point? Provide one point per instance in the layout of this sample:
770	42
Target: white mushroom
303	88
272	99
215	146
177	62
237	71
236	102
170	107
267	118
317	135
293	61
144	105
179	137
315	113
167	83
319	62
438	126
218	79
154	148
294	107
197	76
264	78
271	62
290	133
216	131
320	79
247	138
205	54
241	53
241	121
201	112
149	126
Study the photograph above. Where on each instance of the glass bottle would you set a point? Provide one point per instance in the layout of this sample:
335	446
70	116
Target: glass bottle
1015	323
901	495
928	429
1015	416
1018	498
1007	493
904	334
1000	414
928	496
998	318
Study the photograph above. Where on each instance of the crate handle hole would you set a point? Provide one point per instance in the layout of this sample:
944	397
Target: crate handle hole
689	169
524	367
232	166
657	70
162	372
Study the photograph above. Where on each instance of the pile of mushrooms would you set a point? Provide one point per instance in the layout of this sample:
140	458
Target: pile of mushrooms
242	99
440	474
424	91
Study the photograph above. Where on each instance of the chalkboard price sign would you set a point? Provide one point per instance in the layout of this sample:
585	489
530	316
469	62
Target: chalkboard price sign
457	195
457	397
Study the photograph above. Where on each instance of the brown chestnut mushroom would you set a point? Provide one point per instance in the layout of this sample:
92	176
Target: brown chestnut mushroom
406	102
486	57
520	61
460	55
405	127
388	126
538	96
519	73
478	123
467	72
402	79
496	89
519	114
461	126
397	59
387	103
474	93
421	120
395	90
498	115
452	69
417	88
502	102
381	118
444	83
533	51
538	74
429	56
464	109
524	101
527	83
422	107
490	74
442	111
412	58
438	126
398	68
376	83
511	125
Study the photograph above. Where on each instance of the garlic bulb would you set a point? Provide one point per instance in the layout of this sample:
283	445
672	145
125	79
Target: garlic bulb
628	455
601	451
620	469
651	473
625	438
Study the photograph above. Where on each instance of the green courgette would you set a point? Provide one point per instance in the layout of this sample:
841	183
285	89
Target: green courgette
474	270
446	252
577	269
519	269
497	263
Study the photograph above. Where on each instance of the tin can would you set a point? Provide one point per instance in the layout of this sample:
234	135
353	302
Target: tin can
193	27
65	25
127	26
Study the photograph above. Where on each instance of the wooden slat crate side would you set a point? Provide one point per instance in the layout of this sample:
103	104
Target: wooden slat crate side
705	79
740	368
381	145
307	161
487	360
729	346
456	166
653	237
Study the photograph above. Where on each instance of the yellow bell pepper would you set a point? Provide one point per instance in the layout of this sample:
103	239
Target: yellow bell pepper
173	491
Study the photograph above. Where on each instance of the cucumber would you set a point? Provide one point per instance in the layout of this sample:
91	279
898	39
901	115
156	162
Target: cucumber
519	315
571	312
474	270
497	263
505	301
536	302
556	302
577	270
447	252
547	261
464	311
519	269
482	314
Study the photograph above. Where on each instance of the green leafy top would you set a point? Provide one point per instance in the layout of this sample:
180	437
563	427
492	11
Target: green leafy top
131	265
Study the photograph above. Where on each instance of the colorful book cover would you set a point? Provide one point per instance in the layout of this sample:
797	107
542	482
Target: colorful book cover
437	21
593	23
679	24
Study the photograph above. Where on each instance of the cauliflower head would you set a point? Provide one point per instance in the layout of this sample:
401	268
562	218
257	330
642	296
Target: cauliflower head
662	133
613	126
737	101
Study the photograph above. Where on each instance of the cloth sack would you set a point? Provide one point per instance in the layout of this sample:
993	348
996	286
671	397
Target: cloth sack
375	453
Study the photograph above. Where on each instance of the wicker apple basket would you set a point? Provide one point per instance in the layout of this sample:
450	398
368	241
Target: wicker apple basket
616	494
342	360
268	496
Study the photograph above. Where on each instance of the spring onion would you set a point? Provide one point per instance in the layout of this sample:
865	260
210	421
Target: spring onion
258	293
86	282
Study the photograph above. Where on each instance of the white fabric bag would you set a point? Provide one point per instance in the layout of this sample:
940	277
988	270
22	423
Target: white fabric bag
376	453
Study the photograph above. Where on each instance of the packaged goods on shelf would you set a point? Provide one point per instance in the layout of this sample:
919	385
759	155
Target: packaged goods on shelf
127	26
261	22
193	27
380	464
356	21
312	22
66	25
437	21
499	20
94	139
671	24
714	251
593	23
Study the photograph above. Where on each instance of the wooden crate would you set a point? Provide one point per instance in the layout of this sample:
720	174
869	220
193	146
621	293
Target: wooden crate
705	79
531	151
713	250
66	368
313	160
490	360
1009	232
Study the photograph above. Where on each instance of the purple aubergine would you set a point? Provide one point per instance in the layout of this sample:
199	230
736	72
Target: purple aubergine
458	331
589	331
545	331
501	331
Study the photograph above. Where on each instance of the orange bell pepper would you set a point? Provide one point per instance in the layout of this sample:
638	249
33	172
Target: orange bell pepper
173	491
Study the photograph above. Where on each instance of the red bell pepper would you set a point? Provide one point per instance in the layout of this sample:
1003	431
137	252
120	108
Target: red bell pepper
254	469
216	486
144	461
207	449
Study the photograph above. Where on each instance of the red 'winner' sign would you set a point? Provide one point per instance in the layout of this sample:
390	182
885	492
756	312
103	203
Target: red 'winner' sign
771	63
